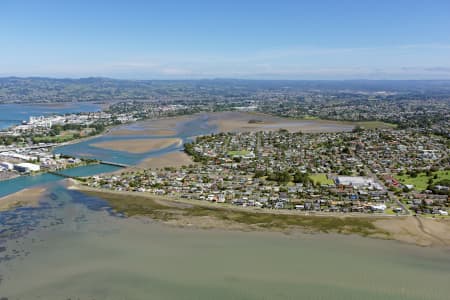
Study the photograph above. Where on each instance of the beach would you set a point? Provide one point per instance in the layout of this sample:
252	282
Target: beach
138	145
205	215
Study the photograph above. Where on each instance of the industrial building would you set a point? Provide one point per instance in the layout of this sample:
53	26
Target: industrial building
27	167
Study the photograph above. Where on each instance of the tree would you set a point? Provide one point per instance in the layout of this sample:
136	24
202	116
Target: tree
300	177
259	173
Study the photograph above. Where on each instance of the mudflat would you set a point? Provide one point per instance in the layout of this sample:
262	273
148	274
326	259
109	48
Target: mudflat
156	127
233	121
417	230
252	121
157	132
138	145
205	215
24	198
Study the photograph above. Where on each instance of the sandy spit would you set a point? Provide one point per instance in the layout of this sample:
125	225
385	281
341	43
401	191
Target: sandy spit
25	198
173	159
138	145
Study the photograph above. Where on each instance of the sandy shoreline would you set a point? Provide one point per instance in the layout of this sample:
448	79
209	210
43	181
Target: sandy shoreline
431	233
138	145
25	198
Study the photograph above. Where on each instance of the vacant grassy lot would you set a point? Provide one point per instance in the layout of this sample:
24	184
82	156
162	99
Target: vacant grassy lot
421	181
54	139
320	179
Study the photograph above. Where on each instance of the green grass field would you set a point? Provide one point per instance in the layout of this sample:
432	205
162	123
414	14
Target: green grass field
421	181
54	139
375	124
320	178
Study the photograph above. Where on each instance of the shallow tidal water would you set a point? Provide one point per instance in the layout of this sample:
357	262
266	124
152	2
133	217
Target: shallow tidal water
75	247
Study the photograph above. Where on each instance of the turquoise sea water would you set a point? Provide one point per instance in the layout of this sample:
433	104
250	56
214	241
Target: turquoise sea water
22	182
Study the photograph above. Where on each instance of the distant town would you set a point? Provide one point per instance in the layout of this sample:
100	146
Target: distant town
365	171
27	148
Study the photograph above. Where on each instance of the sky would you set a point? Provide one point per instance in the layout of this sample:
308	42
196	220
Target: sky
190	39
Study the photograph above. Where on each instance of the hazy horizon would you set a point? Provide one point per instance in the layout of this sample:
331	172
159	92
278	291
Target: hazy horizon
206	78
286	40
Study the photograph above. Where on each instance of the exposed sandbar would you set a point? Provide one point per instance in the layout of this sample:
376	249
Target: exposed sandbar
25	198
138	145
173	159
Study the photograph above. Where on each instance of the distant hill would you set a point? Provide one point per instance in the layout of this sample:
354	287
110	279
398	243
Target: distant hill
39	89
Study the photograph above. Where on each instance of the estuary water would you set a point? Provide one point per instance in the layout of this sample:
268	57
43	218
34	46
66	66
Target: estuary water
19	183
74	247
14	114
185	130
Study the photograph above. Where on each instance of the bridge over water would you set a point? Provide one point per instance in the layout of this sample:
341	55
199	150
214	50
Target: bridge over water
63	175
110	163
115	164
